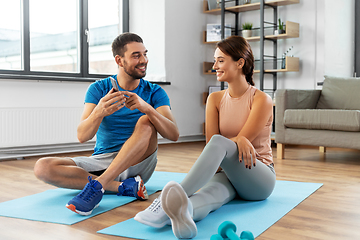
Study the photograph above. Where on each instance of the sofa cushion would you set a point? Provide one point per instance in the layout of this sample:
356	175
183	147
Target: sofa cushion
323	119
340	93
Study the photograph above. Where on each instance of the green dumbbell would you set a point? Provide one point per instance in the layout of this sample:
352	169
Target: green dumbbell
216	237
246	235
228	230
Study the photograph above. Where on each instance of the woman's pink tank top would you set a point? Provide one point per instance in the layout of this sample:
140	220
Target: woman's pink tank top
233	113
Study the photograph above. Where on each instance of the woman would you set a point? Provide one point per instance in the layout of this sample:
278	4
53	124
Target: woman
238	127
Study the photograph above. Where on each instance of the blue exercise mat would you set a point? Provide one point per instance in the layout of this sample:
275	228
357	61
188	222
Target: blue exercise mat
254	216
49	206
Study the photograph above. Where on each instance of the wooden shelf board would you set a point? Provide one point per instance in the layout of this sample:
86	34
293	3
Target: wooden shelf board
276	70
214	42
257	38
252	6
282	2
292	65
258	71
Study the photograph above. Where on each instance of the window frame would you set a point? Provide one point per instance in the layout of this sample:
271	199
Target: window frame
83	75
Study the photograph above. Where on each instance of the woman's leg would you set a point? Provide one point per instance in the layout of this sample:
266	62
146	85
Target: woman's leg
215	151
217	192
252	184
256	183
259	181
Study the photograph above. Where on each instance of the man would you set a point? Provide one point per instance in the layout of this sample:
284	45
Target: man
126	123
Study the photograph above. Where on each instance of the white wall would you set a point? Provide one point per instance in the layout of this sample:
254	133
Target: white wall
173	30
184	55
339	38
147	19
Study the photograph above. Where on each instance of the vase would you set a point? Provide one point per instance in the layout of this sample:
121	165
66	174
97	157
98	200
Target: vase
246	33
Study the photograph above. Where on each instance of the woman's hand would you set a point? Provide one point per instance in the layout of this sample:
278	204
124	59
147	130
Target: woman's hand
247	152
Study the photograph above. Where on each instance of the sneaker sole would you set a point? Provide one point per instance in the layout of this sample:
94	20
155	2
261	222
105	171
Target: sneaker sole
142	192
175	204
151	224
73	208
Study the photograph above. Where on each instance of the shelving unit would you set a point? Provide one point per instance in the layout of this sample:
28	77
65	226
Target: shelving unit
292	31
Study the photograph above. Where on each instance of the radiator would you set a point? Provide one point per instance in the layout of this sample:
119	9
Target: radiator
38	126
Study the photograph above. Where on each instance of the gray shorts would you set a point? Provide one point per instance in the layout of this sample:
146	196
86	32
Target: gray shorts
97	164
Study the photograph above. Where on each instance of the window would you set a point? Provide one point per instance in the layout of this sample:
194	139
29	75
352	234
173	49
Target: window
10	35
71	43
101	32
54	36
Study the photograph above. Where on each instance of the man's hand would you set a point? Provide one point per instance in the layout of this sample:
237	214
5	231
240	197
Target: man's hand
110	103
133	101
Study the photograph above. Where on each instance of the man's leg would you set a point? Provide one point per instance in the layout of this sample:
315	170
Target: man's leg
138	147
63	172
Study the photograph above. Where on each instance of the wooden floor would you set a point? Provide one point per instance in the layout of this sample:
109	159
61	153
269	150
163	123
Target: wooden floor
333	212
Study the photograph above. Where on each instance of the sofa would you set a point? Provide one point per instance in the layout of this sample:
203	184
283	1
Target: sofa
329	117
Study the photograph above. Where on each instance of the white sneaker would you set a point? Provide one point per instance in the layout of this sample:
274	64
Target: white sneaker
178	207
153	216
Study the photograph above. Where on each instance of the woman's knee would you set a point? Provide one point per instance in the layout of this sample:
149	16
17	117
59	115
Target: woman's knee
217	139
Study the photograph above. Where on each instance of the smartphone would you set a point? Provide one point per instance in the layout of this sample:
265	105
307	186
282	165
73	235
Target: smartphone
114	84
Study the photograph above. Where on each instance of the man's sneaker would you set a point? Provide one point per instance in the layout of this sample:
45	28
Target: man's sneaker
153	216
133	187
88	199
178	207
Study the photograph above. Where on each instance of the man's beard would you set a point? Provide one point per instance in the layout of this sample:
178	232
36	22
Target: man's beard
132	72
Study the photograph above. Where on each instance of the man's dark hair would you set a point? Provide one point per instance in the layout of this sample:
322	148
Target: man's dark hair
119	44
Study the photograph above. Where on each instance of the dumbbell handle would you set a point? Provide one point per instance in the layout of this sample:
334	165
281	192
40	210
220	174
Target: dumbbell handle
232	235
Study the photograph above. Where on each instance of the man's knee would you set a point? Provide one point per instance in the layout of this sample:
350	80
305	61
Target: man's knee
40	167
44	168
145	126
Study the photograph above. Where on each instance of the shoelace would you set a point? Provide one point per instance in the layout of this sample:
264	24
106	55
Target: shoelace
89	192
128	190
155	206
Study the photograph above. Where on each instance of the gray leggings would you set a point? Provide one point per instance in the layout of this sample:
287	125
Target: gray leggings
216	190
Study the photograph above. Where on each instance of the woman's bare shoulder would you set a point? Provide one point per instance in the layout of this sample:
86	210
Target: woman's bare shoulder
216	96
262	97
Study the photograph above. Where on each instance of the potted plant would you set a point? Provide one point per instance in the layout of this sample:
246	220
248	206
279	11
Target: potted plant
247	30
281	27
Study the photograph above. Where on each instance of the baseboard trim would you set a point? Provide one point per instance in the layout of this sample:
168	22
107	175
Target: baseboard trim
19	153
41	150
182	139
